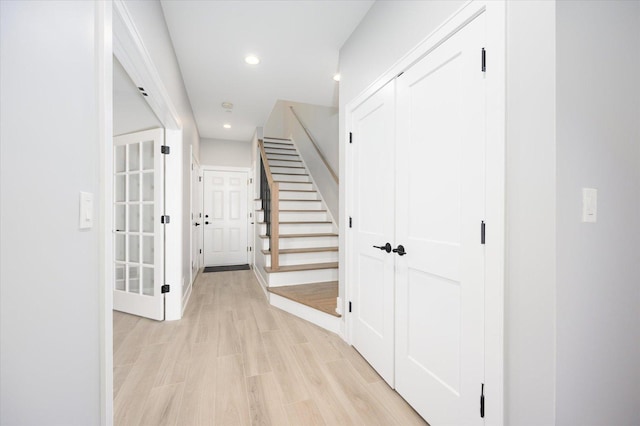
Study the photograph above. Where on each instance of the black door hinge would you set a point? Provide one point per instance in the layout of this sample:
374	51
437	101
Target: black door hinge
482	232
165	288
165	149
349	306
350	137
482	401
199	178
164	219
484	60
350	222
200	251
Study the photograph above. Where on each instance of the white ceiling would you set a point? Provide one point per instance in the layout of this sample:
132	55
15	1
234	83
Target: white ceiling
296	41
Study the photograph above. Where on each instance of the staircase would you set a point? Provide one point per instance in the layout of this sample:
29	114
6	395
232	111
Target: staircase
297	254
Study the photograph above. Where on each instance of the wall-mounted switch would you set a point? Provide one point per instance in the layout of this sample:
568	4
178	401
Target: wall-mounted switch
86	210
589	205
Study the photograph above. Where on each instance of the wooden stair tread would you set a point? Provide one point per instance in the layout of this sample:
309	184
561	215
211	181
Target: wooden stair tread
298	222
295	199
303	267
286	167
280	159
303	235
298	190
278	139
291	174
278	153
319	296
303	250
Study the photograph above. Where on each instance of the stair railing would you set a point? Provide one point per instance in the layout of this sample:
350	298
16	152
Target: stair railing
315	145
270	194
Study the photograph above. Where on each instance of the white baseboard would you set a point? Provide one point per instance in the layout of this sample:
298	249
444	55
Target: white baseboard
326	321
261	281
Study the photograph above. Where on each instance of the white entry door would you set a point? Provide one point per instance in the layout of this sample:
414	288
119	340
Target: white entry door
373	210
439	210
138	232
225	218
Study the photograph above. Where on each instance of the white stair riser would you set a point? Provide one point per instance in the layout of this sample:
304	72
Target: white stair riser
284	163
277	279
296	216
304	258
300	228
291	178
305	242
301	205
271	151
297	171
295	195
282	157
303	186
278	145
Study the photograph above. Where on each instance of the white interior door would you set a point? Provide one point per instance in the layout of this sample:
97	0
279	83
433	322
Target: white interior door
440	207
225	218
373	210
138	233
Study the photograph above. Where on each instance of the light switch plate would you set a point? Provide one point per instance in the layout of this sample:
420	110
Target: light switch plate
86	210
589	205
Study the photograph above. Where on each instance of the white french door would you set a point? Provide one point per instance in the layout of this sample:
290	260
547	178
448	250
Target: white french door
373	284
138	233
225	218
440	208
418	311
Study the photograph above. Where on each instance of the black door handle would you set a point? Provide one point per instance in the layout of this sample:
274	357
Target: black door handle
400	250
386	247
197	224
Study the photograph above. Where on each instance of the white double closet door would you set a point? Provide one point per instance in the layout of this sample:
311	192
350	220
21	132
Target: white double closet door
419	182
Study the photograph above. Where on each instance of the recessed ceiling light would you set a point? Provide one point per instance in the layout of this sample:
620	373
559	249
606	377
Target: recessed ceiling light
226	126
336	77
252	60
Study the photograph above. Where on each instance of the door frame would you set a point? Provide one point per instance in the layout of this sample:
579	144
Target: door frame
117	35
495	185
195	167
250	209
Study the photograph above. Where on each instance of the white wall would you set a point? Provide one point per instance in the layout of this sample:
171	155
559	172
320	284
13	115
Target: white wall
149	20
217	152
131	113
531	227
50	150
598	294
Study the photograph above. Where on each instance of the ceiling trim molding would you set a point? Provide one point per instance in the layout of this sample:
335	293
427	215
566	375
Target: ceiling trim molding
129	49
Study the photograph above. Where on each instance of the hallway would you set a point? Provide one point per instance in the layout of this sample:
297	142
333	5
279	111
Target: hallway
235	360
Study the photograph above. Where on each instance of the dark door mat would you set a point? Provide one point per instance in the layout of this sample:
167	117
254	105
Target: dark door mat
226	268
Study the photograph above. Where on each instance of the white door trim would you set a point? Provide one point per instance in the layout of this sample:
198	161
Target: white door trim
495	181
117	35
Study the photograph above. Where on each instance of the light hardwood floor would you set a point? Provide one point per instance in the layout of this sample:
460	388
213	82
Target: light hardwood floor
235	360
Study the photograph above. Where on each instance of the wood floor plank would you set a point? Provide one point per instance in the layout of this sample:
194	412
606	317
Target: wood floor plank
163	405
130	401
198	402
231	403
331	409
254	354
264	404
288	376
352	389
304	413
